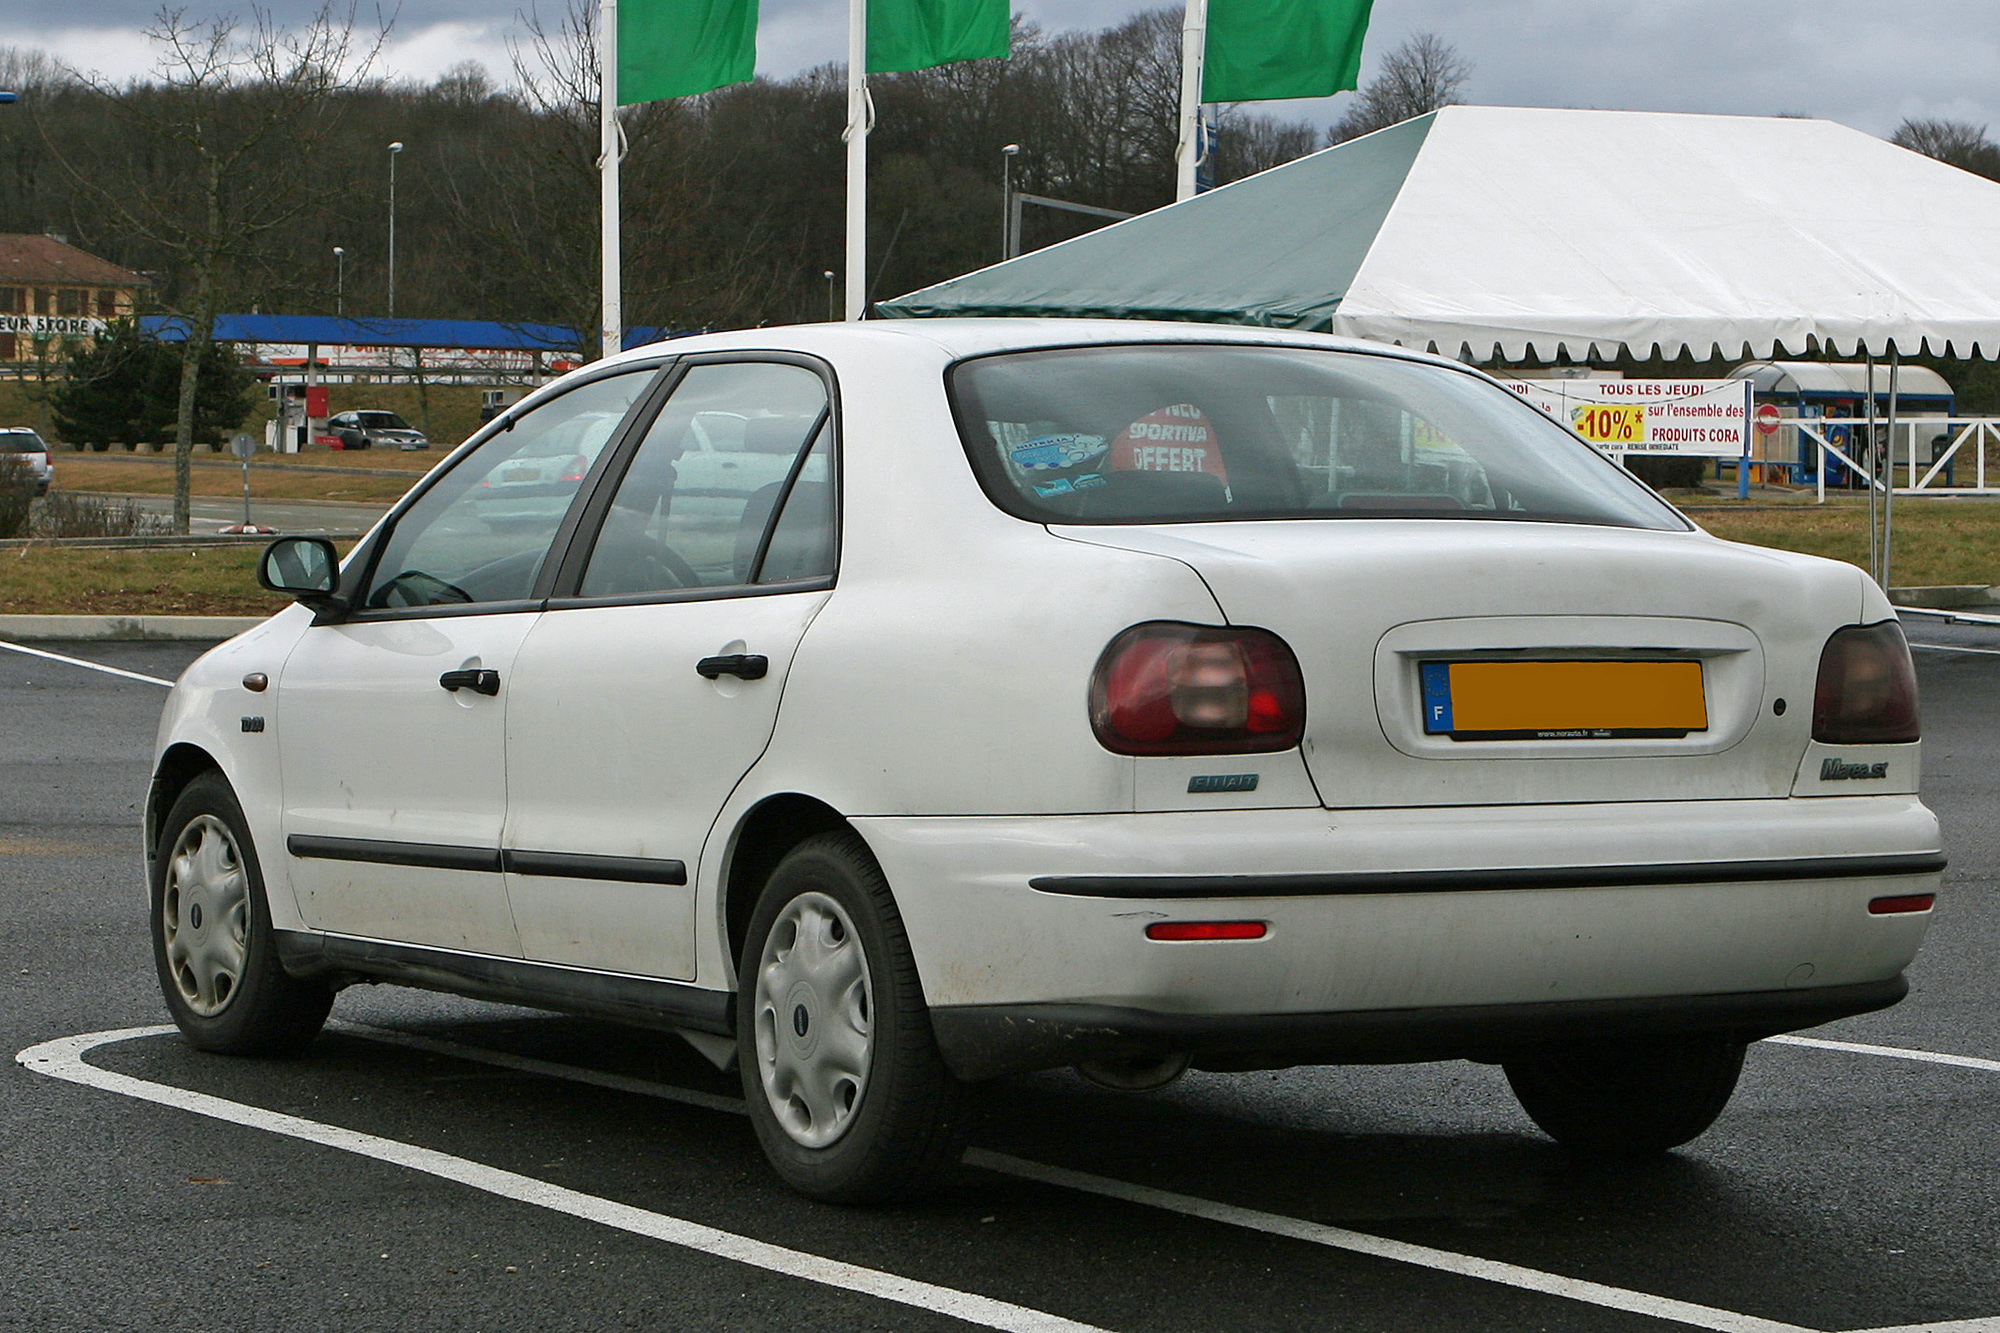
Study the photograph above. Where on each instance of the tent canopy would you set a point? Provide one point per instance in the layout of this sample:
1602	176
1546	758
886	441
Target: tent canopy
1524	232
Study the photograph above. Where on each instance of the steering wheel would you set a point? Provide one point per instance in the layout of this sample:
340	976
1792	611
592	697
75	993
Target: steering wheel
413	587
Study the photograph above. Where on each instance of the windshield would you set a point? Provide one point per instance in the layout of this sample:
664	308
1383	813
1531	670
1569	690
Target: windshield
21	442
381	421
1172	433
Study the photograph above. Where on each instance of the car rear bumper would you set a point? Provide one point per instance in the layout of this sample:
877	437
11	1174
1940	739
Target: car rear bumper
1404	931
982	1041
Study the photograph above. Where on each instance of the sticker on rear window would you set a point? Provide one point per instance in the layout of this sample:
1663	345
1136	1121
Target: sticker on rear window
1179	438
1050	452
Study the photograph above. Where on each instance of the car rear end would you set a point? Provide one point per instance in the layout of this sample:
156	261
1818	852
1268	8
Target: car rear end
28	451
1485	749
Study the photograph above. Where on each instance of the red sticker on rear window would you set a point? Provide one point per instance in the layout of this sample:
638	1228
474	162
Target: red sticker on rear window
1173	439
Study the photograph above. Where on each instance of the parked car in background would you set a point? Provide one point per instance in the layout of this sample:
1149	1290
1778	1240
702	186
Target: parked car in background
29	450
888	707
371	429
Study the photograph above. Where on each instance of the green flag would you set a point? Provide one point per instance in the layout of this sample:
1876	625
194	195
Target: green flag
916	34
1263	50
677	48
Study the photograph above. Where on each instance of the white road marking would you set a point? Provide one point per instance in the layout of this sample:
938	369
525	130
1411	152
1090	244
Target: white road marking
1954	648
1359	1242
1893	1052
78	661
63	1059
1955	1325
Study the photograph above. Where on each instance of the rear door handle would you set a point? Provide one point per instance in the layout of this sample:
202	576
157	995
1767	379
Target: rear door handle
749	666
479	682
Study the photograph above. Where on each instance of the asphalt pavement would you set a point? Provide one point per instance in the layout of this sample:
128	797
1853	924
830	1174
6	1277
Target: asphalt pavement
435	1163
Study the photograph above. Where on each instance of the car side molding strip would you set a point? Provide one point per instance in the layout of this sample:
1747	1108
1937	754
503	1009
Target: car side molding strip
441	856
642	1001
429	855
1339	883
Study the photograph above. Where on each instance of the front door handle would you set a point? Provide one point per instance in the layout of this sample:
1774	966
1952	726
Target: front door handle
749	666
479	682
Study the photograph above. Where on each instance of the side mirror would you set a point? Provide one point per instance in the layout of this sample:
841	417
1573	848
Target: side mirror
306	568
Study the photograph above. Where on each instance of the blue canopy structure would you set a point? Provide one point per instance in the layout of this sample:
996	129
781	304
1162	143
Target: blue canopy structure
334	331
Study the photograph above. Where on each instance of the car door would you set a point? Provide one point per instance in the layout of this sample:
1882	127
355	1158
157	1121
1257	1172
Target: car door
391	719
651	684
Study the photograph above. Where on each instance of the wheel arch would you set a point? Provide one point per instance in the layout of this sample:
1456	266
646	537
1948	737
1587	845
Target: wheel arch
766	832
181	764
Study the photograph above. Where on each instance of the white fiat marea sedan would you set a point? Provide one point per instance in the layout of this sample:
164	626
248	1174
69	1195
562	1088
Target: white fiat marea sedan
1011	695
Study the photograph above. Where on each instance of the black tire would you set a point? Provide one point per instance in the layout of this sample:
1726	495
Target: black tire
1628	1097
905	1126
214	949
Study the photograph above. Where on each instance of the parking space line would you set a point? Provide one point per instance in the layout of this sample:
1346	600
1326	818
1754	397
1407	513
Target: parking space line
1893	1052
1955	1326
1955	648
1360	1242
1275	1224
78	661
63	1059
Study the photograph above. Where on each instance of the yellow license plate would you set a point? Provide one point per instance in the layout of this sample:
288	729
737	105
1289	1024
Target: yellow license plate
1609	424
1477	701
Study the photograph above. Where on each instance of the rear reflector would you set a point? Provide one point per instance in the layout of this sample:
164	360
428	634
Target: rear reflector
1205	930
1908	902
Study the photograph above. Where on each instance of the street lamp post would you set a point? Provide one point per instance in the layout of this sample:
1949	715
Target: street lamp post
394	149
339	280
1008	241
832	299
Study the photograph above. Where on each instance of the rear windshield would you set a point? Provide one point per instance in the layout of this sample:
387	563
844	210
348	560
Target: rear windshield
1180	433
21	442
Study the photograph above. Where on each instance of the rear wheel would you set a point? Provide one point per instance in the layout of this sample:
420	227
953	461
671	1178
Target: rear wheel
212	938
1627	1097
850	1099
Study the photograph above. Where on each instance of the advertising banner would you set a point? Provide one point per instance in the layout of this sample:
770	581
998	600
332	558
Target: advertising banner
1709	418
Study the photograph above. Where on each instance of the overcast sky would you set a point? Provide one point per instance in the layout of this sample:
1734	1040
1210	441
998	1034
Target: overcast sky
1862	62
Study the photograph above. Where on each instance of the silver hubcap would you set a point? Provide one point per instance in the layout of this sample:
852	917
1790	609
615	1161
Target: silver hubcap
814	1009
205	915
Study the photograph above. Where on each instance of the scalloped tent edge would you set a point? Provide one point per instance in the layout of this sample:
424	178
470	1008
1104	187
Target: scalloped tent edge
1517	232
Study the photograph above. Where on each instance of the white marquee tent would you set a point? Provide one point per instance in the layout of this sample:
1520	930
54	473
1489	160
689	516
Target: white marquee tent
1516	232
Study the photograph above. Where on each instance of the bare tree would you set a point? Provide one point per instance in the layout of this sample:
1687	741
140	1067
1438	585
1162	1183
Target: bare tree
215	161
1424	73
1957	142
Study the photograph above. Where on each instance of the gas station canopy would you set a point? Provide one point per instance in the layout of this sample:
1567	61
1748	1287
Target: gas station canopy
1519	232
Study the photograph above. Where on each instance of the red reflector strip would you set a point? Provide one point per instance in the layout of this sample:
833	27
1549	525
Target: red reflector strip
1908	902
1205	930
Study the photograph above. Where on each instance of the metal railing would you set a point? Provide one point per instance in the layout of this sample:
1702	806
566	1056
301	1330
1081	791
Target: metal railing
1920	463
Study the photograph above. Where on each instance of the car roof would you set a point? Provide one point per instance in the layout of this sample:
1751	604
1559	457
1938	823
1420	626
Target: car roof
960	338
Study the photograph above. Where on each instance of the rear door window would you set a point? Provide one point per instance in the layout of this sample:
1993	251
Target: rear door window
735	444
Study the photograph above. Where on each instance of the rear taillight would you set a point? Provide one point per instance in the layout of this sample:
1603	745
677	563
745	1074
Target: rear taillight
1163	688
1867	690
576	468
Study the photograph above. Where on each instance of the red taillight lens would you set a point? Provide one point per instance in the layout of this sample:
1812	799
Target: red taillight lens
1867	690
576	469
1164	688
1907	902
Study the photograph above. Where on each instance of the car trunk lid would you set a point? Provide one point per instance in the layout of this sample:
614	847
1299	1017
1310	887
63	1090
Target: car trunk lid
1368	605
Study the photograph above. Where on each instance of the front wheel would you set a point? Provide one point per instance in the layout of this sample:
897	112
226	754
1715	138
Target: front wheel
212	938
1628	1097
850	1098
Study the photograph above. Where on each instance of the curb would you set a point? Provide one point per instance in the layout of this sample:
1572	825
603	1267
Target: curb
1947	597
157	628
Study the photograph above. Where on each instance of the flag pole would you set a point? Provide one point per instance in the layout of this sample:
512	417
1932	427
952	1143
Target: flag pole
856	135
611	330
1194	43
